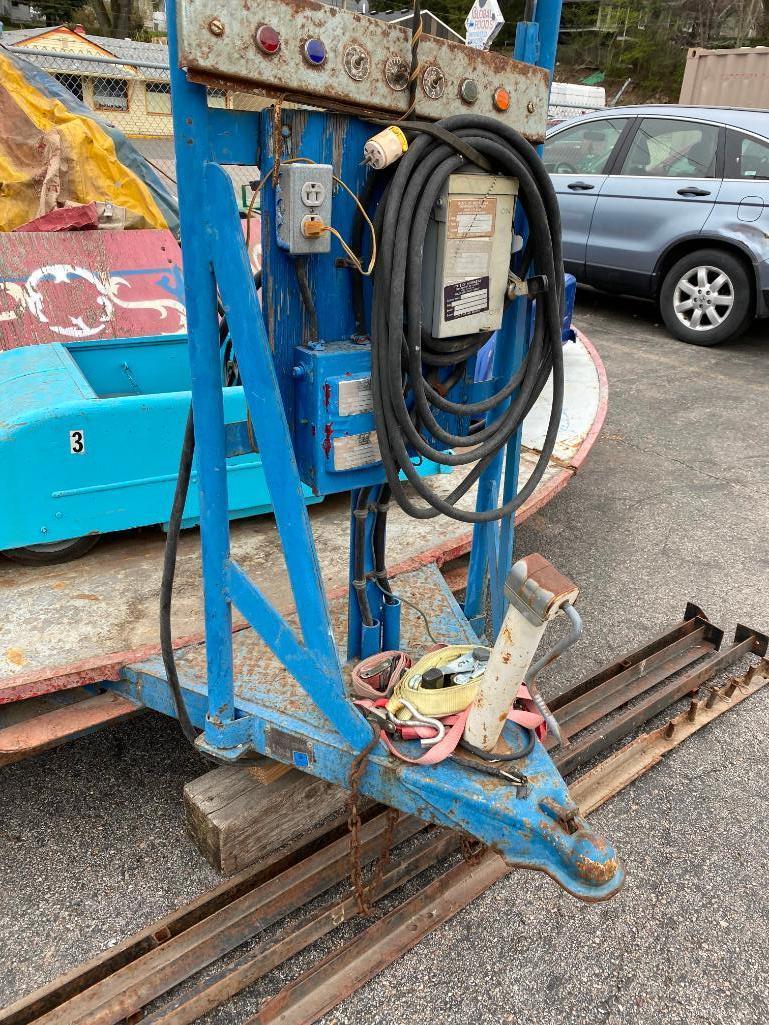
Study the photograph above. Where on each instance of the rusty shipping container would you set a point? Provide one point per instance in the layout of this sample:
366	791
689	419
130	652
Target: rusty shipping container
727	78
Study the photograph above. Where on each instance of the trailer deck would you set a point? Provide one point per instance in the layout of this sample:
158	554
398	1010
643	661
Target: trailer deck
79	623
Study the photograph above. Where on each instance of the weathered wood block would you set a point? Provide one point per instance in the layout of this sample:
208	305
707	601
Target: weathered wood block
236	820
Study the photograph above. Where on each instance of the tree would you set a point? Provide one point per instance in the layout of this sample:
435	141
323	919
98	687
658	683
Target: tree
117	18
56	12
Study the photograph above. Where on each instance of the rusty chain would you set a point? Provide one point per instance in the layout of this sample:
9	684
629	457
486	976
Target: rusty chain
365	895
472	850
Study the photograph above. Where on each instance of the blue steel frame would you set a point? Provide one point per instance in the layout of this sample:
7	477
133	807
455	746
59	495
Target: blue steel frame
204	139
539	830
216	254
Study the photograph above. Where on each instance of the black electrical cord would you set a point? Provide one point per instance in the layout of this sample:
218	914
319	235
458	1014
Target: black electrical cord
513	756
230	372
360	515
169	572
379	539
300	265
405	402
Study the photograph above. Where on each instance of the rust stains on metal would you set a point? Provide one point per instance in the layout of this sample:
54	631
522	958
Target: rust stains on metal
597	872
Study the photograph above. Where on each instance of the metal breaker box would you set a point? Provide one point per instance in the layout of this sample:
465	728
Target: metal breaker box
467	254
334	435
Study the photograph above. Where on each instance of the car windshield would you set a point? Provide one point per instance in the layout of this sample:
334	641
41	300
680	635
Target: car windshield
582	149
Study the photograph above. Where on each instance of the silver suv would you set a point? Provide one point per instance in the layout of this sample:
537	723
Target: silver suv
669	203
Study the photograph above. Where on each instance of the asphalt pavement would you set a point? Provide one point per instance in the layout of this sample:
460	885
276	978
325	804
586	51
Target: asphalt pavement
672	505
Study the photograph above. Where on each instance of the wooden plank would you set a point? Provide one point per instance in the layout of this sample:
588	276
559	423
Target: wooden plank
45	731
267	770
626	765
236	821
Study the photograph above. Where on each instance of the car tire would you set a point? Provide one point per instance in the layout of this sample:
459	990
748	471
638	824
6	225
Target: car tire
53	553
706	298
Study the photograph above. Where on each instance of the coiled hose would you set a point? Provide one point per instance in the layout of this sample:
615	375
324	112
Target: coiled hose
406	402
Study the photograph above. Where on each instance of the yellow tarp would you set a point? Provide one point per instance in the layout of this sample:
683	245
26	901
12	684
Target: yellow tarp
50	156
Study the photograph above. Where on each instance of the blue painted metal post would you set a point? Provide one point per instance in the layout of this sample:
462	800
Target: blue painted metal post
548	18
190	119
491	555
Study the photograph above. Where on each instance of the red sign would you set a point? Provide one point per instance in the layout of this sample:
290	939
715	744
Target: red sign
86	285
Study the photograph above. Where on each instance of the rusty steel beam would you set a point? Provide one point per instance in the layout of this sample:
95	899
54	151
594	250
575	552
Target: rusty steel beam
612	693
577	754
212	992
32	1007
325	985
133	987
120	982
635	663
613	774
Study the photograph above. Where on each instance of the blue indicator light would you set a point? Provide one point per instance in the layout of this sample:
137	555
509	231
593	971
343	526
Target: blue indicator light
315	52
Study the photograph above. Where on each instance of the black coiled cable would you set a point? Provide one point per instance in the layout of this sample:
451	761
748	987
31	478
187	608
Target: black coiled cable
405	400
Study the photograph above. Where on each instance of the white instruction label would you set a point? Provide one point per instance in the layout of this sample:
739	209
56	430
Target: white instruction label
356	450
465	259
355	396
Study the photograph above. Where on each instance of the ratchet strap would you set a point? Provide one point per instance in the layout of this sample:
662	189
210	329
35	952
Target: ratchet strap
527	716
433	703
376	676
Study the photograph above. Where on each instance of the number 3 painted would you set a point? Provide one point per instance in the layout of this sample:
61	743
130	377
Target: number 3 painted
77	442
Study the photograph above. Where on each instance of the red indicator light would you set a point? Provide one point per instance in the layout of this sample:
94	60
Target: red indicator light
267	39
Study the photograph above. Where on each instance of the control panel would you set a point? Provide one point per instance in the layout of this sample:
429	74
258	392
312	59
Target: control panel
467	254
333	58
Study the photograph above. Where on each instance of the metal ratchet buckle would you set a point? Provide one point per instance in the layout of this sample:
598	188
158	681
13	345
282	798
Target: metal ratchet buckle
379	719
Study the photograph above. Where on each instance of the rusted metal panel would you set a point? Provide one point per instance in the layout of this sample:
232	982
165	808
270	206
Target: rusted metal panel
47	644
367	63
727	78
59	725
78	285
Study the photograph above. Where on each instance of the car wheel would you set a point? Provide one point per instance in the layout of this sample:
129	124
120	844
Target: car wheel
706	298
52	553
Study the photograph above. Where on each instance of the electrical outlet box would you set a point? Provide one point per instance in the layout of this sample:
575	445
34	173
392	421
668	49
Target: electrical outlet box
335	434
467	254
303	196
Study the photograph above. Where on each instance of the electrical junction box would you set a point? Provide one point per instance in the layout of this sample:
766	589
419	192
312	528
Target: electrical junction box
467	254
334	432
303	195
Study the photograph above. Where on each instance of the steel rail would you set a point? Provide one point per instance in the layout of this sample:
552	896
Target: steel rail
580	753
158	959
133	987
320	989
618	690
213	992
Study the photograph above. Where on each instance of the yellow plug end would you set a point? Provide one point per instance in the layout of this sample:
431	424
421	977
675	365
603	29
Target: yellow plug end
312	226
